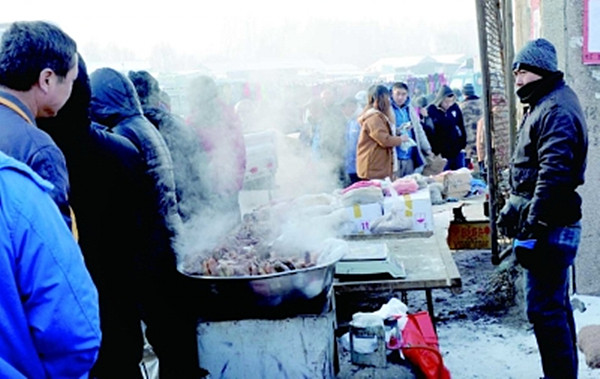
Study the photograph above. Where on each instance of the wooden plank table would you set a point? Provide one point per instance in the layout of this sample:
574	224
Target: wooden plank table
428	263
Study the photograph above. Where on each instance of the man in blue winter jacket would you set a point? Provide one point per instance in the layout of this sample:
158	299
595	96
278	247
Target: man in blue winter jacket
49	323
411	159
38	64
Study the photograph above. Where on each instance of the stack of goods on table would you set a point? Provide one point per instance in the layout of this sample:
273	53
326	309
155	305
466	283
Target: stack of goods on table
383	206
458	184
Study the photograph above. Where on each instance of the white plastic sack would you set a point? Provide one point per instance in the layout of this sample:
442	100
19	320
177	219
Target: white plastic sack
363	195
395	220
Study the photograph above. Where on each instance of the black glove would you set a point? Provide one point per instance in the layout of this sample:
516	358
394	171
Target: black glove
508	221
537	230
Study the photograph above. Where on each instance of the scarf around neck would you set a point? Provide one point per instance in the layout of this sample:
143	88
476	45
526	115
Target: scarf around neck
532	92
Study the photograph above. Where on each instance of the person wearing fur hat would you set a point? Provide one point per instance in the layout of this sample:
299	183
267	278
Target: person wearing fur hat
449	136
543	211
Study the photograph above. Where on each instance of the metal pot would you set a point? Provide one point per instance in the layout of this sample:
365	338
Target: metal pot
272	296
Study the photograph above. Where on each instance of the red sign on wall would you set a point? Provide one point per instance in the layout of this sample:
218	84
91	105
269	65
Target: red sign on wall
591	32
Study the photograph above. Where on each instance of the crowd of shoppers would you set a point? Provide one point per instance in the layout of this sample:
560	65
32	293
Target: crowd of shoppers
386	128
86	143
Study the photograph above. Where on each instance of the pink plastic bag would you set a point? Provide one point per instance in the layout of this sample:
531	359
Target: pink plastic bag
405	186
361	184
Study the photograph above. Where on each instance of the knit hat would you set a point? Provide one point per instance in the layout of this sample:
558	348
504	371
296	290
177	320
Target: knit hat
537	56
468	90
442	93
421	101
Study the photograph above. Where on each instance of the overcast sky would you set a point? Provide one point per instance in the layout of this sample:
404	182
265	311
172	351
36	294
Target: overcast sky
228	28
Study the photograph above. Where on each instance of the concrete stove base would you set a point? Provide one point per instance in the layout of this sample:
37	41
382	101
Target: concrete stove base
297	347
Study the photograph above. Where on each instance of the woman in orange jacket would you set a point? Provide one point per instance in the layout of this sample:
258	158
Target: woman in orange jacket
375	150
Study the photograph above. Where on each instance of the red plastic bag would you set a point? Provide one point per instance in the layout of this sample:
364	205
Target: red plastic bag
420	346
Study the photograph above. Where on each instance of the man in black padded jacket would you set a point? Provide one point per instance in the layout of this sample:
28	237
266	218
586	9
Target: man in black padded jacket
157	285
543	212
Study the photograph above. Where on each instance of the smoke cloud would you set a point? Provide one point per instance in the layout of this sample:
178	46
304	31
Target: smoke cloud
292	189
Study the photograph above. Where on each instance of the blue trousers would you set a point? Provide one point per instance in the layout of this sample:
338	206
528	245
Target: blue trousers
548	304
454	163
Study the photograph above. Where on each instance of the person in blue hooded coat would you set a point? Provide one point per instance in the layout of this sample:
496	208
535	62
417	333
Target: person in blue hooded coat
162	297
49	324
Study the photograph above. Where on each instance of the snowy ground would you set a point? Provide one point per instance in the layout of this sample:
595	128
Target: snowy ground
490	349
478	336
486	334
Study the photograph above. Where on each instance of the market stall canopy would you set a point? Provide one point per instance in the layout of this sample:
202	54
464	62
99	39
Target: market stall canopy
418	65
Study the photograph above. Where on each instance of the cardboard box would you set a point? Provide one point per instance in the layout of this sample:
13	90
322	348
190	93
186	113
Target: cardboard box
417	205
457	184
469	235
362	215
261	161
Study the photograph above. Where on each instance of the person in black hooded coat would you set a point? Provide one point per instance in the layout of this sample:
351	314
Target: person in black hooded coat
183	144
160	287
104	170
449	135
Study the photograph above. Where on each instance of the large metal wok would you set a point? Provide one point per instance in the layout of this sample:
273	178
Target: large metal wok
272	296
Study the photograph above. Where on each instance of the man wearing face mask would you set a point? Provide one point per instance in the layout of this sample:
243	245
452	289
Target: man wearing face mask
544	210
